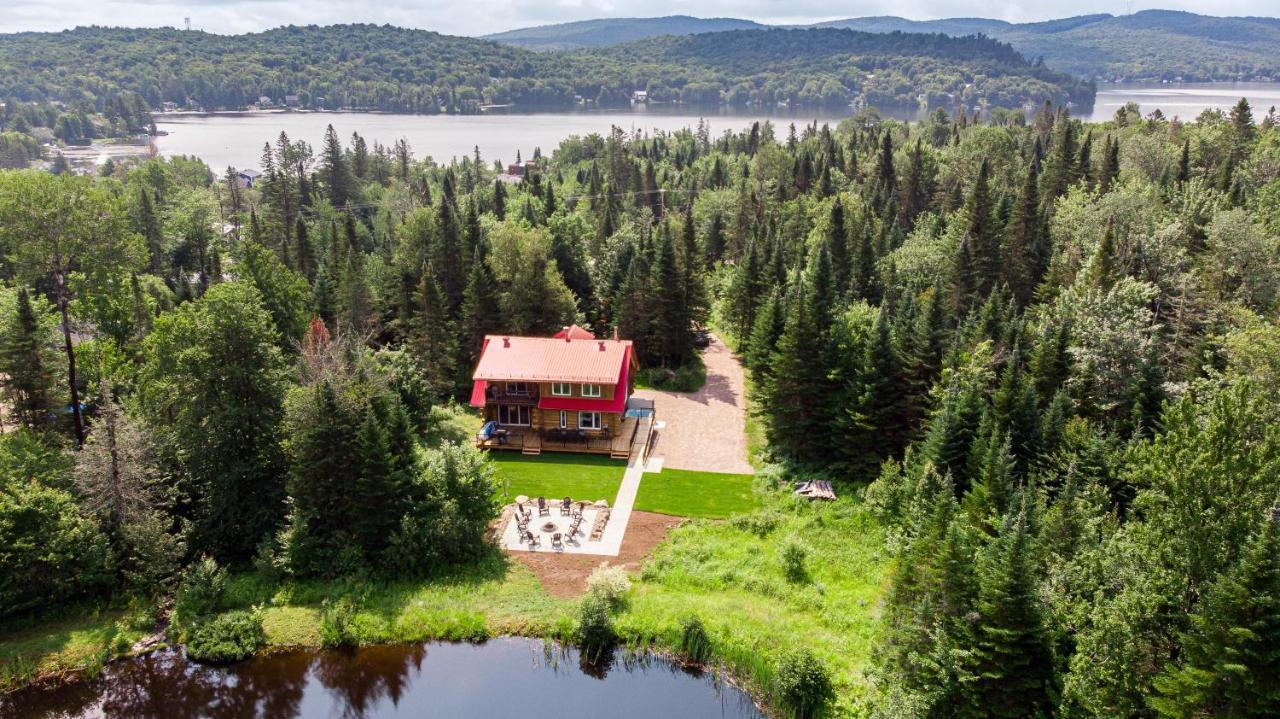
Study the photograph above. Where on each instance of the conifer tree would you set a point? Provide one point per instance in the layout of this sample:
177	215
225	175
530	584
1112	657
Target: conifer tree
770	322
1020	265
432	339
1184	163
1110	169
500	200
335	172
481	312
149	227
837	243
672	342
798	395
26	366
1230	664
915	191
1012	663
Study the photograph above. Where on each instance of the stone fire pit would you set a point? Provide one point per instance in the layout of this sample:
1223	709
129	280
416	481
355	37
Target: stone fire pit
548	526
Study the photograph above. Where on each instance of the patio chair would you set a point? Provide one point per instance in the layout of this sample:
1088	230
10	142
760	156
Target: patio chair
566	507
543	509
522	511
574	526
530	537
555	540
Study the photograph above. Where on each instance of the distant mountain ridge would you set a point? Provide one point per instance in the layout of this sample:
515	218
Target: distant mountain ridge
1150	45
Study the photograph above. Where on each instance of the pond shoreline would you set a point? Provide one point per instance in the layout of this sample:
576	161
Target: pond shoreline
622	658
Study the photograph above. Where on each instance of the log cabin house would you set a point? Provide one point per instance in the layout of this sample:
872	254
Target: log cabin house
566	393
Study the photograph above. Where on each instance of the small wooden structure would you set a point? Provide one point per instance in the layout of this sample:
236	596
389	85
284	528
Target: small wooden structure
816	489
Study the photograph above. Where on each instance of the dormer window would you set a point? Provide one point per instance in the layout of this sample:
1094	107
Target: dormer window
561	389
591	390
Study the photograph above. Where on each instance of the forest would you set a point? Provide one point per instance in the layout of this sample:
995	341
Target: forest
1041	355
393	69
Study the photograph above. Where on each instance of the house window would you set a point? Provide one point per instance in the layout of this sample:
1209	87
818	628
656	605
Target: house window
517	388
591	390
513	414
561	389
564	419
588	420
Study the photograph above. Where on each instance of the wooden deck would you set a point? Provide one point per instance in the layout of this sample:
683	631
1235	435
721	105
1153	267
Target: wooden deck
529	441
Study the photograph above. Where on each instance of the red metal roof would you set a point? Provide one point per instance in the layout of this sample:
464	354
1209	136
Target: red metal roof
584	404
546	359
574	332
477	393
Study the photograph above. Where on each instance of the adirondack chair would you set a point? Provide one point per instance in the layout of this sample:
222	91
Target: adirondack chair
555	540
543	509
566	507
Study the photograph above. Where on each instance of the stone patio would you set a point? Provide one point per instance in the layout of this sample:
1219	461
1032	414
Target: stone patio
546	526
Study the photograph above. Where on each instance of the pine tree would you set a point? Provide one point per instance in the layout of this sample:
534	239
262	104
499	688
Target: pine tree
26	367
837	244
481	313
334	171
673	339
799	394
745	288
306	254
150	229
500	200
1230	663
770	322
1184	163
715	244
432	339
915	191
871	429
1012	663
1243	130
1021	268
1101	272
1110	169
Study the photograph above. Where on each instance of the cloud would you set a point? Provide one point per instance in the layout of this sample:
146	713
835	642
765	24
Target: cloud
480	17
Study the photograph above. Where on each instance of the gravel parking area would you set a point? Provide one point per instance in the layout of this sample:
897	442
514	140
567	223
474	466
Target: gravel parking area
705	430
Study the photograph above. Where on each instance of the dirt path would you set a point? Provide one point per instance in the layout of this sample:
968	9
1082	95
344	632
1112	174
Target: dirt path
705	430
565	575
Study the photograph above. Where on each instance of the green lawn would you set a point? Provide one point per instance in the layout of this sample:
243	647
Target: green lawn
683	493
580	476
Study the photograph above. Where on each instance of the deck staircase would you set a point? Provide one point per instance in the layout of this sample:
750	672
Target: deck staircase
532	444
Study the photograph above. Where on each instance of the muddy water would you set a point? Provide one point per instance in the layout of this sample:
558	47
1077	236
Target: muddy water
501	678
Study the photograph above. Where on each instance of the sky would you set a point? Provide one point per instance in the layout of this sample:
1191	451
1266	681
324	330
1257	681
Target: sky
479	17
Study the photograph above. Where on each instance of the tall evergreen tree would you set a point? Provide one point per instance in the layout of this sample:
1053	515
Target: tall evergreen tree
26	366
1012	663
1230	665
335	173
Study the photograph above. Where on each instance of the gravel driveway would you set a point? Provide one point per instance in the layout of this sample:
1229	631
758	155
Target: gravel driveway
705	430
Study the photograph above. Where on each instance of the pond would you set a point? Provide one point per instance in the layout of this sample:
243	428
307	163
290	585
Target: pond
507	677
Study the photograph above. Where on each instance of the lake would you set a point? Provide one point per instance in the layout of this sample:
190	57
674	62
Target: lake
236	139
506	677
1185	100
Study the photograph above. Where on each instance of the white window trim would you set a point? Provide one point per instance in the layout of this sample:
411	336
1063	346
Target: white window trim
564	419
556	388
517	409
592	390
594	424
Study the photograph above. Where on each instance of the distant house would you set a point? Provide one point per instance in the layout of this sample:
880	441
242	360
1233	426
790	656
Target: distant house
291	101
570	392
246	178
265	102
640	96
168	106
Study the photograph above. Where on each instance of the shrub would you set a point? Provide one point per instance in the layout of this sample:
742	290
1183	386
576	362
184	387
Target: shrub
760	524
337	624
201	593
595	632
609	583
695	645
792	555
226	638
803	685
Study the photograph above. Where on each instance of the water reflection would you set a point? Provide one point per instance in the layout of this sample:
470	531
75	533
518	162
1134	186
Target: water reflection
505	677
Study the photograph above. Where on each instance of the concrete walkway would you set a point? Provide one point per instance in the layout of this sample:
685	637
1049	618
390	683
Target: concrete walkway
705	430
